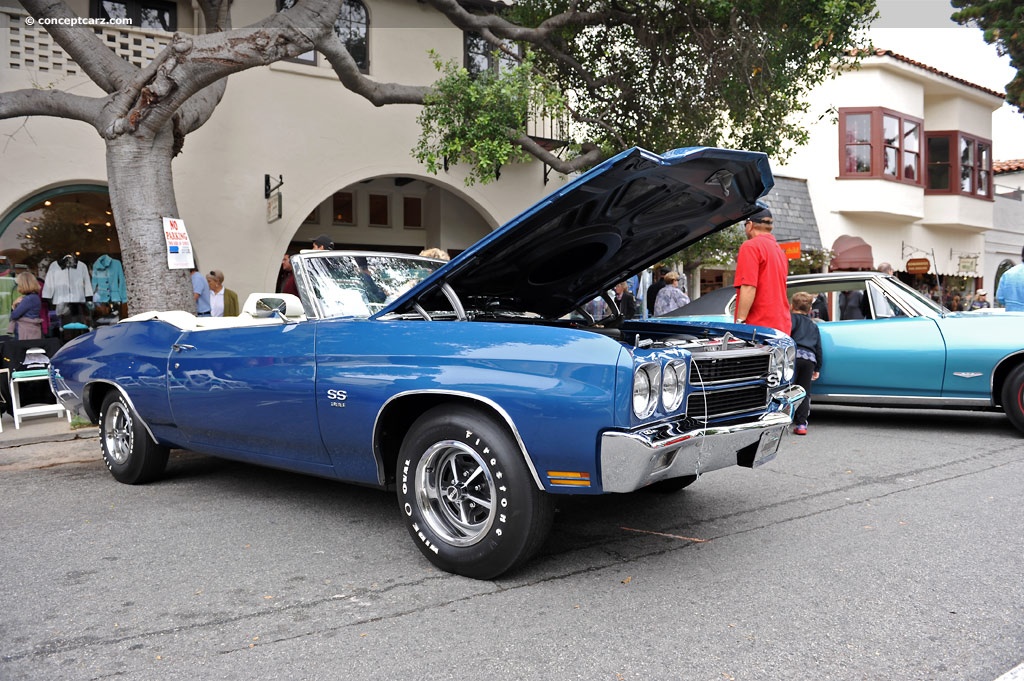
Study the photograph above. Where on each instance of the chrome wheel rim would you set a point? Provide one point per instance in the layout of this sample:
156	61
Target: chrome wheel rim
118	437
455	493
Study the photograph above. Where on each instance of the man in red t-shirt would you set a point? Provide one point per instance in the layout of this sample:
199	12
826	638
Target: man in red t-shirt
761	270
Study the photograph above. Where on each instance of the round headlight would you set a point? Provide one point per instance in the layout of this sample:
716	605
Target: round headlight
673	384
789	368
645	390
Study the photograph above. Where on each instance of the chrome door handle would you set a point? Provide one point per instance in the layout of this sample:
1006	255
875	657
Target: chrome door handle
178	347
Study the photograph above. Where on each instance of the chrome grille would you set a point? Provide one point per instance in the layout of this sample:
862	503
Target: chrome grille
729	367
724	402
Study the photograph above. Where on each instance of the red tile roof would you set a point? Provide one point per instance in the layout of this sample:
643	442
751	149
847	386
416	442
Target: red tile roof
1014	166
879	52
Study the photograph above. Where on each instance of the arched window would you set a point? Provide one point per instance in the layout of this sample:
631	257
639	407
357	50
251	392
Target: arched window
352	26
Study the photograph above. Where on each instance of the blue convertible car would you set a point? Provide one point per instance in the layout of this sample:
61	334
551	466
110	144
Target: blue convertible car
477	389
887	345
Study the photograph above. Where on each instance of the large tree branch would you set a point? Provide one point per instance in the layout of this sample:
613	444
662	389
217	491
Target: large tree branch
494	29
198	109
191	63
104	67
378	94
52	103
589	155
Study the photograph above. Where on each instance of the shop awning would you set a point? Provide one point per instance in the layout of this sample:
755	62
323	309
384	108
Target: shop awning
851	253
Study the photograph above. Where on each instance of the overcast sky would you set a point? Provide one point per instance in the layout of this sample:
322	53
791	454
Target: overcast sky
922	30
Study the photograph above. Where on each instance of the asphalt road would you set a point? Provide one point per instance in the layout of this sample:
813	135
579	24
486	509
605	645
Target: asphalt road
883	545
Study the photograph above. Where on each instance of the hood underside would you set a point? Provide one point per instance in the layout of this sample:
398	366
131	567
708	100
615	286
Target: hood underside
612	222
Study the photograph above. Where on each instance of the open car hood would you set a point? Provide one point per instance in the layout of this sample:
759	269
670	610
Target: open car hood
612	222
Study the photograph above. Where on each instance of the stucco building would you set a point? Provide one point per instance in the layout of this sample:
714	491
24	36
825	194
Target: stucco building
900	170
346	165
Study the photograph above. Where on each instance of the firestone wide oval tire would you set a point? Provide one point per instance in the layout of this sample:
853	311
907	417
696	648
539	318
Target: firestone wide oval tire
467	496
129	452
1013	397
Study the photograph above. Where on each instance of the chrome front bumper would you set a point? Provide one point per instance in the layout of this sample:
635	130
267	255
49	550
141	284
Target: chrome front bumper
634	459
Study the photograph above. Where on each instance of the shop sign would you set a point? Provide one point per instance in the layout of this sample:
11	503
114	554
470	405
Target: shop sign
918	266
179	248
791	249
968	263
274	207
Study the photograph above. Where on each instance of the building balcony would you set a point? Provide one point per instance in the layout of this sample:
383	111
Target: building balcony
32	49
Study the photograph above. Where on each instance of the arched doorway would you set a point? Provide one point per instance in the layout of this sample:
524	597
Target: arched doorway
74	219
397	214
69	229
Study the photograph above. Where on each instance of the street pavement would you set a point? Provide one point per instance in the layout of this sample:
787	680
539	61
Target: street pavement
883	545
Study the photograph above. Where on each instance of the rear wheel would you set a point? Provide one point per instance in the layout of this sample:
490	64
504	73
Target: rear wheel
132	456
1013	397
467	496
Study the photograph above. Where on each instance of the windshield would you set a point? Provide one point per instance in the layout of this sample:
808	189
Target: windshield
358	285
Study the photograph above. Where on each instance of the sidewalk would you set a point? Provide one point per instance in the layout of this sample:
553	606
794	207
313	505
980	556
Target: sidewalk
36	429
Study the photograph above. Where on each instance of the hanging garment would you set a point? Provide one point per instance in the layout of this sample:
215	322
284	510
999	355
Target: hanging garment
108	284
67	281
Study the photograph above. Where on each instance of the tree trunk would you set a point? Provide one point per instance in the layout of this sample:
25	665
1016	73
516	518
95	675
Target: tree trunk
142	194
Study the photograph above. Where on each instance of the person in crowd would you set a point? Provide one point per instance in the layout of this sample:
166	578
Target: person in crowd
761	271
852	305
670	297
26	320
435	253
200	293
808	355
885	268
323	243
1010	292
956	306
286	277
651	297
223	301
625	300
819	308
980	300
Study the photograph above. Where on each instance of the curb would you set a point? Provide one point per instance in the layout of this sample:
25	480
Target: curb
19	439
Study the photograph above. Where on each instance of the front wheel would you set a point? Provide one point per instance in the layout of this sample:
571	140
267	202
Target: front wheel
469	501
1013	397
129	452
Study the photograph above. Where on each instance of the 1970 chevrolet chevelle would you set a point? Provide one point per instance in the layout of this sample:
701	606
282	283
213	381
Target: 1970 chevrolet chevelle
477	389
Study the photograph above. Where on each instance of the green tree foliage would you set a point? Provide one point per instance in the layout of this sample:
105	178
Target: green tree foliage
1002	22
651	74
475	119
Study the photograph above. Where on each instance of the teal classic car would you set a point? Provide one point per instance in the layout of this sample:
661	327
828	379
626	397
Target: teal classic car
887	345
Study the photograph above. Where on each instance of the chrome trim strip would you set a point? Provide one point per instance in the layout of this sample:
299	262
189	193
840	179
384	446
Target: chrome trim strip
900	400
127	399
456	393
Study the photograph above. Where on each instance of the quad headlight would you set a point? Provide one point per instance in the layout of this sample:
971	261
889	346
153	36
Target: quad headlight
673	385
654	382
646	383
783	365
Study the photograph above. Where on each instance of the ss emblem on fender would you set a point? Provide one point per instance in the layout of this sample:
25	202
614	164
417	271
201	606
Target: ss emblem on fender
337	397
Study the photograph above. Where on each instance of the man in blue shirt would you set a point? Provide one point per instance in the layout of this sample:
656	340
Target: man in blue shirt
201	293
1010	293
